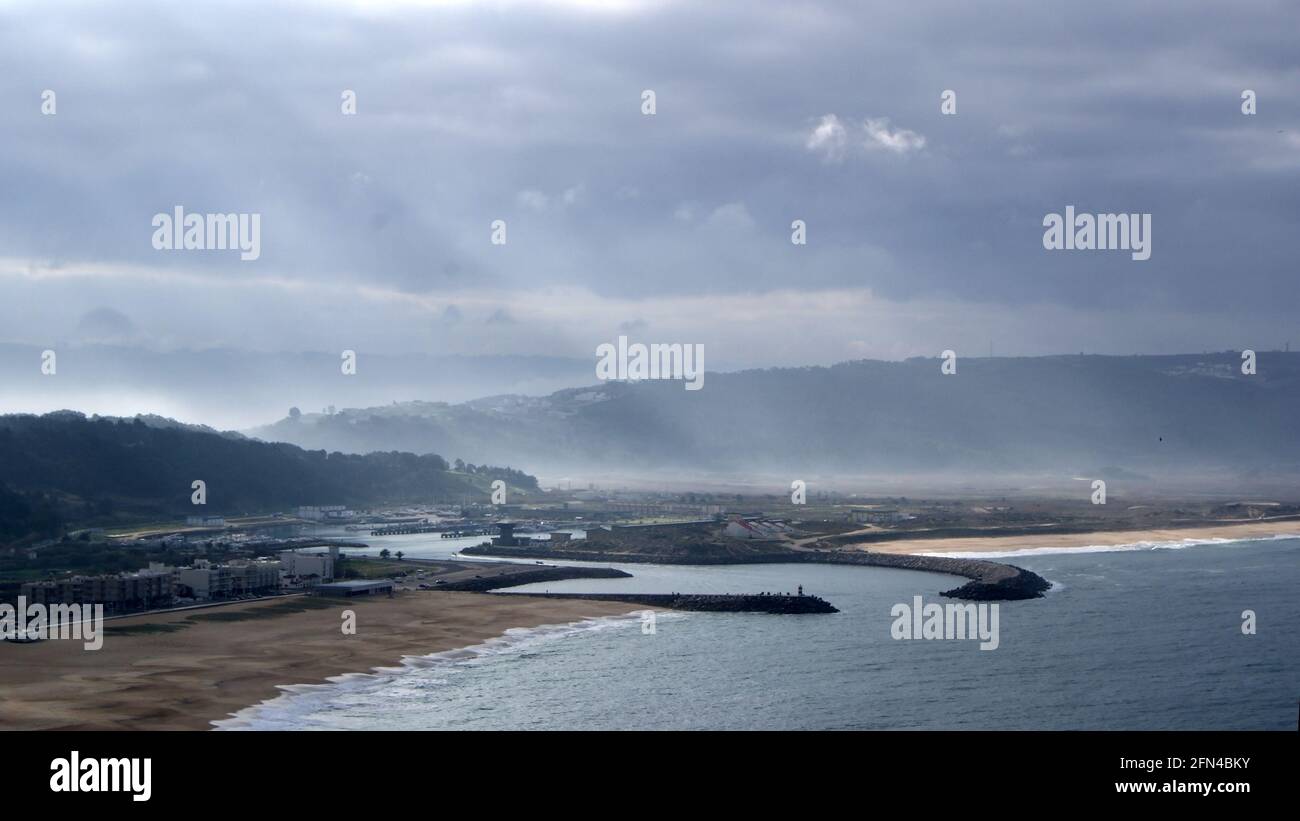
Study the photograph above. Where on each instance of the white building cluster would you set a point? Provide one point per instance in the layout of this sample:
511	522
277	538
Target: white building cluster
326	513
755	528
161	585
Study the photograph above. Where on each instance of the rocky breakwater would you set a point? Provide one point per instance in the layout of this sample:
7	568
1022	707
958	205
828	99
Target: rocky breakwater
708	602
482	584
989	581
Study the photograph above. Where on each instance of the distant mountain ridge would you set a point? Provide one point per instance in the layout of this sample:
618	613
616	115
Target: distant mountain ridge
236	388
1136	414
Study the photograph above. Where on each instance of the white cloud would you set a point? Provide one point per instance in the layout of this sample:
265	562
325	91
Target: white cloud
828	138
574	195
900	141
533	200
733	216
463	120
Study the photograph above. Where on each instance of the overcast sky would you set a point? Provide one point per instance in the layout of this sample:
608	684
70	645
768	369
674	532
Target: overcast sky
924	230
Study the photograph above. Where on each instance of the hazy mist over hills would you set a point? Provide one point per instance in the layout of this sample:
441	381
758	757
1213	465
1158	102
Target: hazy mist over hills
228	388
924	229
1136	417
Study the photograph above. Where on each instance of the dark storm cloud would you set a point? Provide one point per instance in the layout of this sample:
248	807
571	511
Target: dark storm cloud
377	225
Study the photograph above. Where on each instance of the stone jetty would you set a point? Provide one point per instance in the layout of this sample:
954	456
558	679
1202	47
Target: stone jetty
708	602
532	576
989	581
705	602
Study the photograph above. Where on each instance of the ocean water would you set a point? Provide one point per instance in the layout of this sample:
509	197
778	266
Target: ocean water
1148	637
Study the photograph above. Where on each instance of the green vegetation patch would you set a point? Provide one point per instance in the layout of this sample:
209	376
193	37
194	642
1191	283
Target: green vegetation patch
356	567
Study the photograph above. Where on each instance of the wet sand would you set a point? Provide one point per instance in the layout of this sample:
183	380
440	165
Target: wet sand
201	669
993	544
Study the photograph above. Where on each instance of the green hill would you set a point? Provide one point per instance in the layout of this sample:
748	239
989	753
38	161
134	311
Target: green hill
96	468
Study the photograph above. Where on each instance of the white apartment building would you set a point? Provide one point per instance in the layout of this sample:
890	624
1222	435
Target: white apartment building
206	581
301	565
321	513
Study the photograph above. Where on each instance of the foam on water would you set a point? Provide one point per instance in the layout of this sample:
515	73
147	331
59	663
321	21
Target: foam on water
291	709
1143	638
1178	544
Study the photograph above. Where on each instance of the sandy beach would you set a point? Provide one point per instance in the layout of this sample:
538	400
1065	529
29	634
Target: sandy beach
183	670
990	544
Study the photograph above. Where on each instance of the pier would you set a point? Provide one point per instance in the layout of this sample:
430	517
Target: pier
703	602
707	602
494	578
447	532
